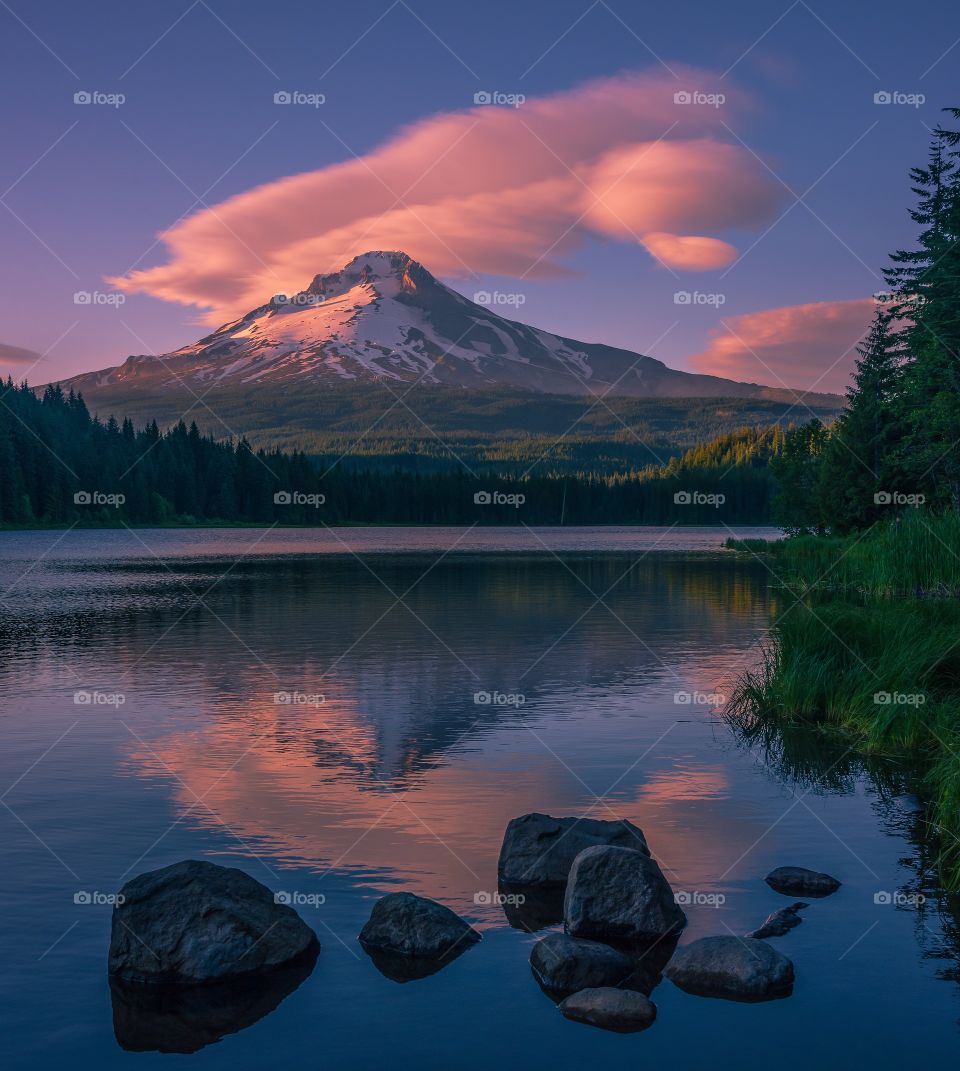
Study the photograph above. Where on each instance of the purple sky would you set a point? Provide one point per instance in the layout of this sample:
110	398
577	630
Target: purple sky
598	199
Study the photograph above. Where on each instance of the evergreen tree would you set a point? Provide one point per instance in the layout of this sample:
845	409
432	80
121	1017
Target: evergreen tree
926	281
859	457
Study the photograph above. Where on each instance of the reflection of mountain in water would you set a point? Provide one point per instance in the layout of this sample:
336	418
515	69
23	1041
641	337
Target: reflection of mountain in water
523	625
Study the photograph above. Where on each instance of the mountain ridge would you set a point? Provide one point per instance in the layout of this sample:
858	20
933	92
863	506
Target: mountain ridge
383	318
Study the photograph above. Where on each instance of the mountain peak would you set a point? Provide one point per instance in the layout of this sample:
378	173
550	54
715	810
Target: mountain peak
374	264
384	318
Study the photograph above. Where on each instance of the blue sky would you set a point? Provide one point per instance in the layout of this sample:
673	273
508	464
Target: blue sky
90	187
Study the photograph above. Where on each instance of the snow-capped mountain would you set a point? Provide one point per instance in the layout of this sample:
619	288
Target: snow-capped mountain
385	318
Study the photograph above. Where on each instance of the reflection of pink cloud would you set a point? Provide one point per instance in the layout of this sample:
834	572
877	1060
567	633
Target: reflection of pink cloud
811	347
488	189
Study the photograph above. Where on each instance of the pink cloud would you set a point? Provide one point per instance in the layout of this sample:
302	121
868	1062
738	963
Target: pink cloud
487	189
810	347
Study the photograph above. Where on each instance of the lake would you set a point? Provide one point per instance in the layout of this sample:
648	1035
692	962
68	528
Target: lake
343	713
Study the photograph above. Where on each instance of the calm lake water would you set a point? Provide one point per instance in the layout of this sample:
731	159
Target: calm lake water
432	684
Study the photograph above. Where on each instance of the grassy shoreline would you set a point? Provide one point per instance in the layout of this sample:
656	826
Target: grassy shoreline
865	645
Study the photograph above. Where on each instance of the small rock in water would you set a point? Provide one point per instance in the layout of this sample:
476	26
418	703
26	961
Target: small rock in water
780	922
797	881
565	965
539	849
621	895
735	968
195	922
408	925
612	1009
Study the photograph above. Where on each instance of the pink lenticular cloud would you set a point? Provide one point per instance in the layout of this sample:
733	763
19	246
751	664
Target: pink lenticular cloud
490	189
810	347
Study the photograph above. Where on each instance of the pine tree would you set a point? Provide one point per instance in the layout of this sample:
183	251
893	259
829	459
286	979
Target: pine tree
859	459
927	287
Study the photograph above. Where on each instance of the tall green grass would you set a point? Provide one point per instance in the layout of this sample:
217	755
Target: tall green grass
921	558
882	674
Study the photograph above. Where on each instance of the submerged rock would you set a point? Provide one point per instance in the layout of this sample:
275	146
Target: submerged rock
780	922
195	922
620	894
151	1018
797	881
565	965
407	925
539	849
613	1009
735	968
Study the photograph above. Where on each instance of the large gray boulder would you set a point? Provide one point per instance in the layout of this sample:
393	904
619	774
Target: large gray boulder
613	1009
798	881
407	925
617	894
538	850
736	968
564	964
195	922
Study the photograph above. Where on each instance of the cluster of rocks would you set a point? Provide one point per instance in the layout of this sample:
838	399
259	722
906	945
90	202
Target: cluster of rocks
195	924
